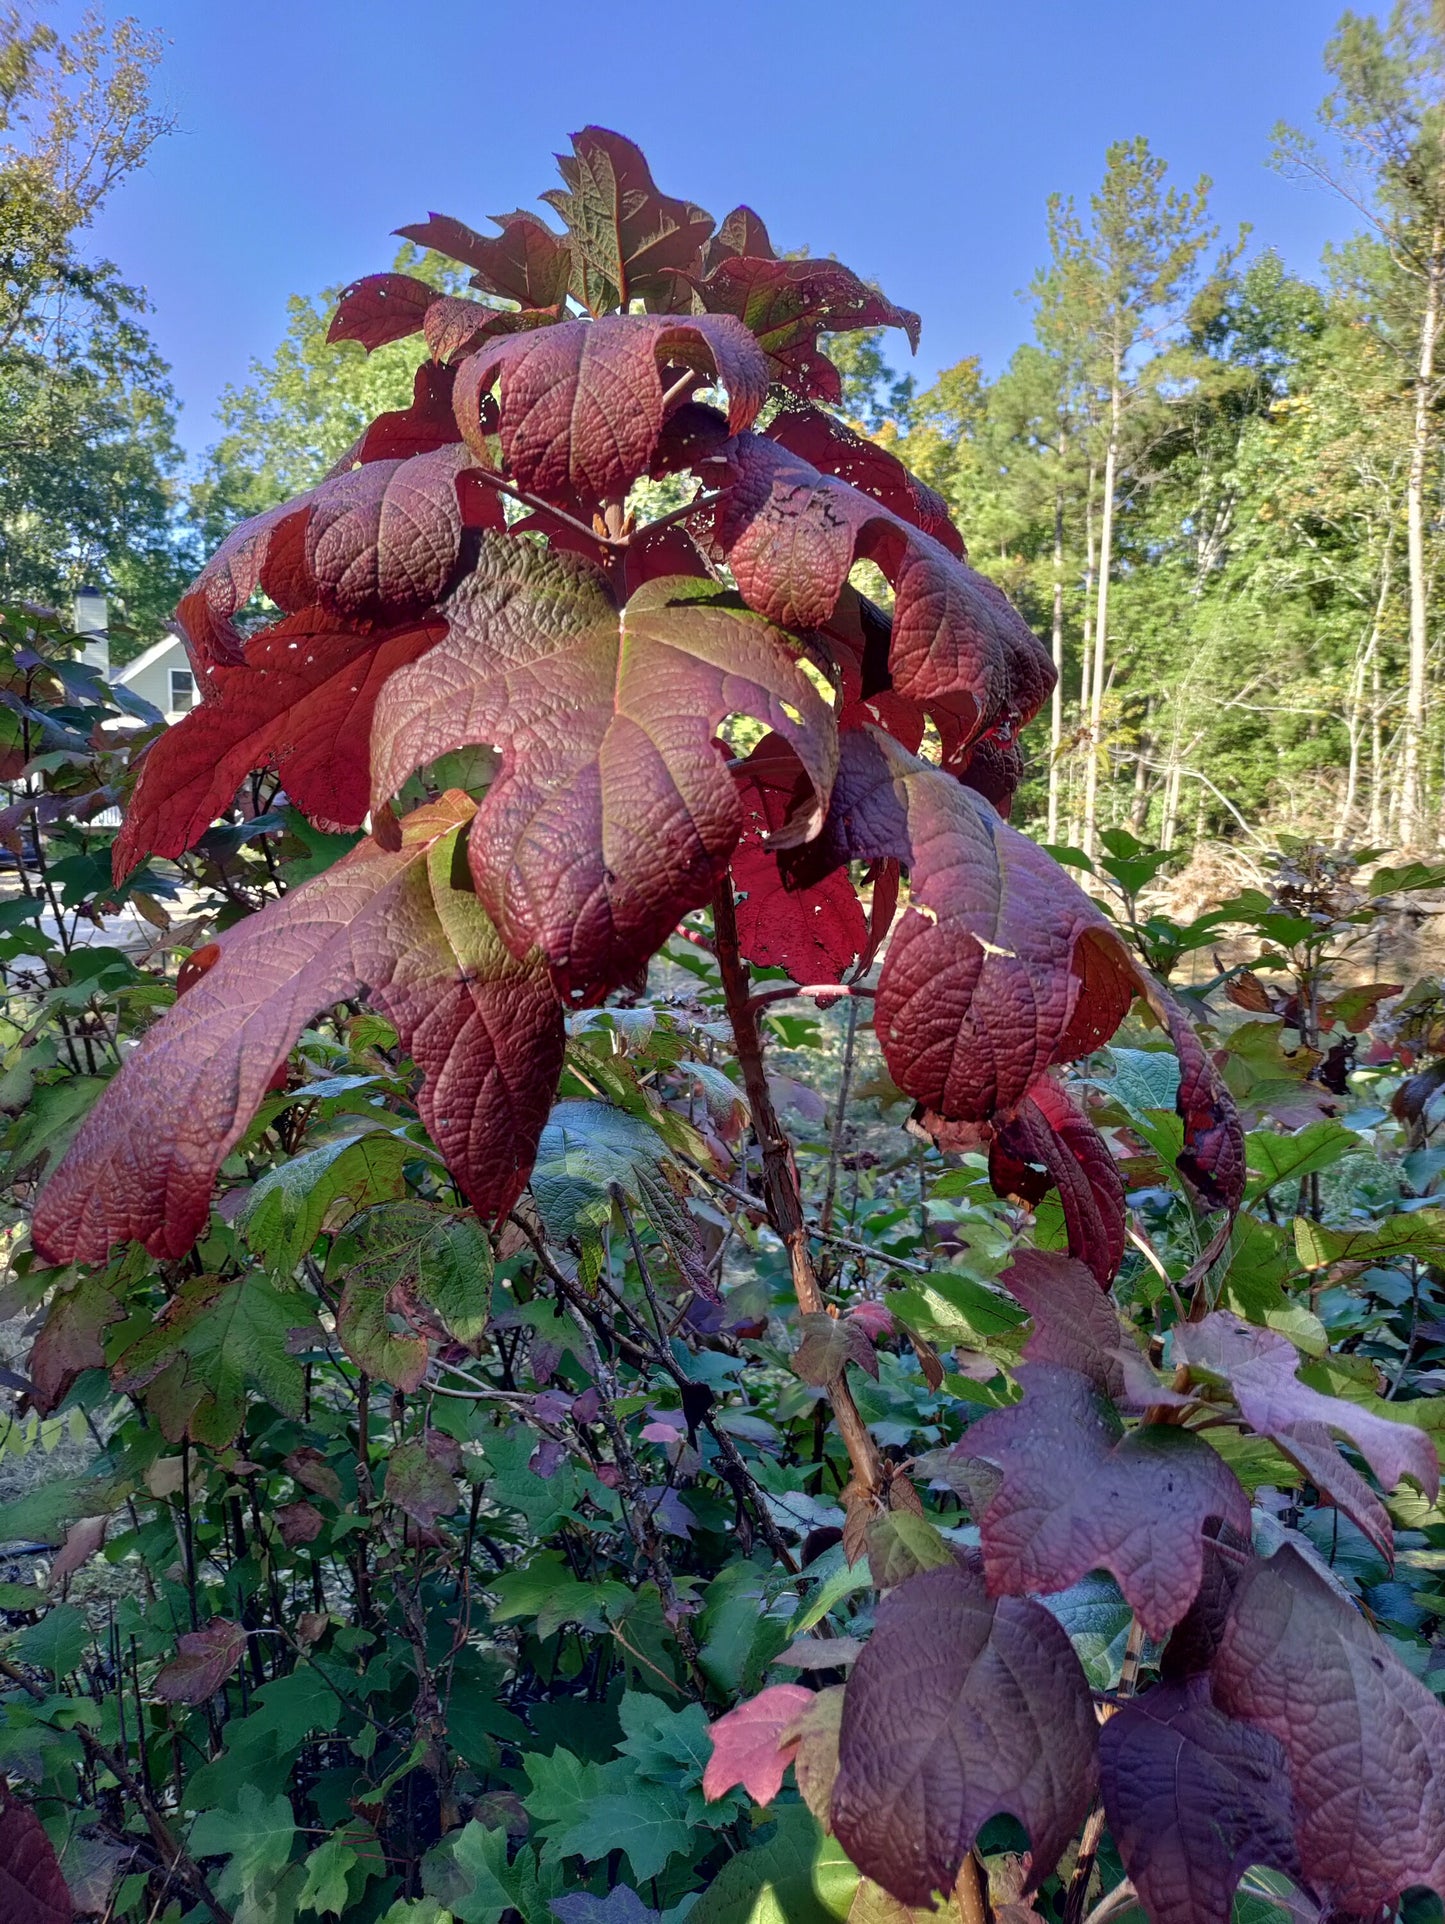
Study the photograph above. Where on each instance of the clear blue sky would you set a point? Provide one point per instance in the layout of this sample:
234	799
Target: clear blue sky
916	139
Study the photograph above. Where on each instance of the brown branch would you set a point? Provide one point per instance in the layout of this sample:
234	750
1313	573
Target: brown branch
781	1189
176	1859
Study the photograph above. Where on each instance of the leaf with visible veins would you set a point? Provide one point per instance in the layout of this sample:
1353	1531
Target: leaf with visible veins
582	403
791	535
526	262
1258	1367
484	1029
1073	1157
627	237
749	1747
301	703
1193	1799
32	1888
788	303
613	814
829	1344
380	308
1077	1493
1365	1740
206	1658
960	1708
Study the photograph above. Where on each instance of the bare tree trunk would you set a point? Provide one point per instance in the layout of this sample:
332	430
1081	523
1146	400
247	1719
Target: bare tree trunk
1412	797
1101	616
1376	831
1056	709
1139	814
1086	666
1368	657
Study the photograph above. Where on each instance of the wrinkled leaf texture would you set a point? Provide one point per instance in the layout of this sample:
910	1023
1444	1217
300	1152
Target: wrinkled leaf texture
1365	1739
32	1887
960	1708
1193	1800
613	814
484	1029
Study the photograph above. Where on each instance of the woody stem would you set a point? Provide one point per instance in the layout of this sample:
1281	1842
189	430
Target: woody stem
781	1192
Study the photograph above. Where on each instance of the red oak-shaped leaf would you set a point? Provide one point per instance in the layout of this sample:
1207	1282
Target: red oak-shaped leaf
613	814
833	448
787	304
1192	1648
455	325
380	308
32	1887
960	1708
815	932
981	989
71	1340
379	542
207	1657
1001	965
1071	1156
1213	1158
1075	1324
301	703
526	262
1364	1738
1259	1366
1079	1493
430	421
748	1746
483	1028
628	239
791	534
1193	1799
582	403
742	232
421	1477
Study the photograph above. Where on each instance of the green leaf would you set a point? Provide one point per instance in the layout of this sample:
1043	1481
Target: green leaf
42	1134
1415	1233
647	1822
545	1589
1276	1158
214	1340
323	1189
327	1869
585	1148
454	1275
256	1834
952	1308
1141	1079
57	1642
798	1876
1413	875
467	1872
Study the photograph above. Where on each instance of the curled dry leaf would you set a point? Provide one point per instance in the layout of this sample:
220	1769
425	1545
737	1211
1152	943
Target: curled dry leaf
1365	1740
205	1659
1077	1492
484	1029
613	814
960	1707
1193	1800
1259	1367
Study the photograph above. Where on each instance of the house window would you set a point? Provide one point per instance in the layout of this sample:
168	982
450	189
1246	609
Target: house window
183	691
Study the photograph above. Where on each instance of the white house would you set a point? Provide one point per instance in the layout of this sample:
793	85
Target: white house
162	675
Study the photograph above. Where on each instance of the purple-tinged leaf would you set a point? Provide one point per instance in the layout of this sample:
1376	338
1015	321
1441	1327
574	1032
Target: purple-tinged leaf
1193	1799
788	303
829	1344
421	1478
960	1708
582	403
1258	1367
1079	1493
1365	1739
71	1339
206	1658
749	1744
526	262
32	1887
299	1522
833	448
301	703
1075	1324
791	535
1050	1143
380	308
